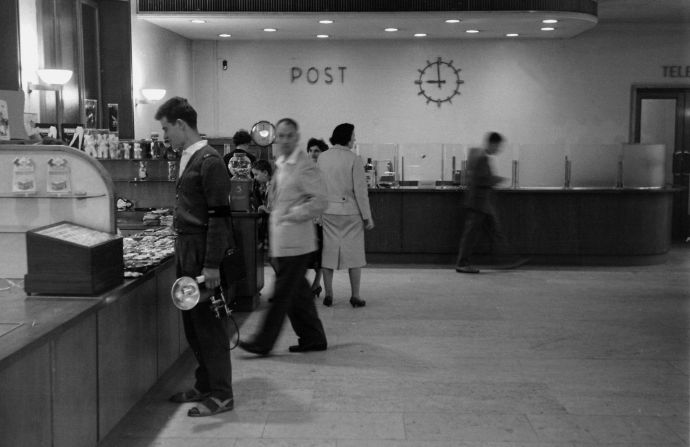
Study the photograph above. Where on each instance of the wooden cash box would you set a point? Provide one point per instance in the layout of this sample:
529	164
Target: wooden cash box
70	259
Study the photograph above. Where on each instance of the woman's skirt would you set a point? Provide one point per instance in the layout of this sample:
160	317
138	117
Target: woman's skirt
343	242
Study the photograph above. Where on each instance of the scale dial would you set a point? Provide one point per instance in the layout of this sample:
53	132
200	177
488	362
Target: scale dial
263	133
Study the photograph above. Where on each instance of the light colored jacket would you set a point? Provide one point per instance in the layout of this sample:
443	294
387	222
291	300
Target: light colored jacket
346	186
298	194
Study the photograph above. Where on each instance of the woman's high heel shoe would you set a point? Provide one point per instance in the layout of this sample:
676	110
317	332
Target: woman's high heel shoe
356	302
316	291
328	301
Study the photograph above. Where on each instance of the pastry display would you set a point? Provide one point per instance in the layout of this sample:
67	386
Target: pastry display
146	250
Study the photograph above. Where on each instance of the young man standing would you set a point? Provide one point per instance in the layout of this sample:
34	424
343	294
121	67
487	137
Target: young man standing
298	195
204	232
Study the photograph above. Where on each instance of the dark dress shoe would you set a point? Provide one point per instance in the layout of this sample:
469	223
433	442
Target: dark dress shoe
254	348
308	347
466	269
356	302
328	300
514	264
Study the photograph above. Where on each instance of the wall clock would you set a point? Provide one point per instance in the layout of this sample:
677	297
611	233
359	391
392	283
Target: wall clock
263	133
439	81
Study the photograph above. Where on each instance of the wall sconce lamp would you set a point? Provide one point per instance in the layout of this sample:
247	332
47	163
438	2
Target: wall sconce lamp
150	95
52	79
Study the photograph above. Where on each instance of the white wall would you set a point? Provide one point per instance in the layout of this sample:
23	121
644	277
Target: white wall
533	91
160	59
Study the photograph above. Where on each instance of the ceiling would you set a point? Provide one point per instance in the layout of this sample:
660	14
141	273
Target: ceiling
354	26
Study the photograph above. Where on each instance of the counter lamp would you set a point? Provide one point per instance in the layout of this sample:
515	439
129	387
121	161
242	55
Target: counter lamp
52	79
150	95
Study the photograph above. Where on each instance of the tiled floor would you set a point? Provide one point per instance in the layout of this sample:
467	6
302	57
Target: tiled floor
536	357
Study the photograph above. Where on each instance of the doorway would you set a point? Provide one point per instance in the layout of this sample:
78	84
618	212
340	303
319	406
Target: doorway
662	115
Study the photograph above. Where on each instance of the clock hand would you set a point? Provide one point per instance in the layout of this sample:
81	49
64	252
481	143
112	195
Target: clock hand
438	72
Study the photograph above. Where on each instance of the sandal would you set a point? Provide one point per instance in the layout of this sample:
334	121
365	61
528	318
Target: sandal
192	395
211	406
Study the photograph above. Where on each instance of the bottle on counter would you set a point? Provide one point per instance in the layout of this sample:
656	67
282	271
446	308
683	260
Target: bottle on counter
369	174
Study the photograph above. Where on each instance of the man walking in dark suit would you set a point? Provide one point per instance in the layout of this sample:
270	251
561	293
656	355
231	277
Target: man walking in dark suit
480	209
298	195
204	232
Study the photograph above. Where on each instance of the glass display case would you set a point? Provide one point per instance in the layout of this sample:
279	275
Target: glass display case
33	193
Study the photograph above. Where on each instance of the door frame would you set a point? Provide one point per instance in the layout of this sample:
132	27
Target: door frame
681	155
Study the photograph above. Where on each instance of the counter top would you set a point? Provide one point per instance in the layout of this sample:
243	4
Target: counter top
531	189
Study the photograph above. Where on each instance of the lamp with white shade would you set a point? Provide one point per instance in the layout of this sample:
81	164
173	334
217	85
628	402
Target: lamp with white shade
151	95
52	79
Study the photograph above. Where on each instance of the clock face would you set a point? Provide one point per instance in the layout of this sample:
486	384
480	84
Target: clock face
439	81
263	133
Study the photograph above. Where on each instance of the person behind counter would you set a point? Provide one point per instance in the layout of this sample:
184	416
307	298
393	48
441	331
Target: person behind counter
204	232
316	147
480	209
347	214
297	197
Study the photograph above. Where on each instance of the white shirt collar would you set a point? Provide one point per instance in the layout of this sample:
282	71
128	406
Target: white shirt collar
292	159
195	147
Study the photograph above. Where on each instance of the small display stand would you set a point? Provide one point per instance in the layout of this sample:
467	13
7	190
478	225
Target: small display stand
69	259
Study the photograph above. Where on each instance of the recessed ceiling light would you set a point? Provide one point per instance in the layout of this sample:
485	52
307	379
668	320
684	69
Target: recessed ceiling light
549	21
198	21
512	35
391	30
420	35
224	35
453	21
548	28
326	22
322	36
270	30
472	31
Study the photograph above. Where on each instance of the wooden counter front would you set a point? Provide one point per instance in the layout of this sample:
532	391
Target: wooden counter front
552	225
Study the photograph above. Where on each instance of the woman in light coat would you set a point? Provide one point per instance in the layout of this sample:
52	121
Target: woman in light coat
347	213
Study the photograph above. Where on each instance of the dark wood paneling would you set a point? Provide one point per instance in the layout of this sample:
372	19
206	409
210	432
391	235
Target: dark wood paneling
432	223
9	49
115	36
75	392
25	413
127	345
168	319
387	212
247	234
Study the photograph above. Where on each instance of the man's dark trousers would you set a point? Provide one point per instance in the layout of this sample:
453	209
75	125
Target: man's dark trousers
292	297
475	222
206	334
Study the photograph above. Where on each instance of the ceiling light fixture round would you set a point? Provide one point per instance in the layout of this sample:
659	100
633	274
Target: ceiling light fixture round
270	30
326	22
391	30
198	21
512	35
420	35
549	21
224	35
322	36
472	31
548	28
453	21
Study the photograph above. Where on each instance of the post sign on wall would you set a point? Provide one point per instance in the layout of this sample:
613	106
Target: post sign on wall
315	75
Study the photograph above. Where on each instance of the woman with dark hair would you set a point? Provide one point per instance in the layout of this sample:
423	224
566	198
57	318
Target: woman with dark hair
316	147
347	214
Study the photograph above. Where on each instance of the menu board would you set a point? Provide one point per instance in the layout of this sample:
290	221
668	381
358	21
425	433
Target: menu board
76	234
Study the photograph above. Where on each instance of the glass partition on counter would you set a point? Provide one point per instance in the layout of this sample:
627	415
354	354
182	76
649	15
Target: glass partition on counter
454	156
593	165
421	162
541	165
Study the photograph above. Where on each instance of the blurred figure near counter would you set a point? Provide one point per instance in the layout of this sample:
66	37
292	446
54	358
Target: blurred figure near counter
297	196
262	171
480	208
204	233
347	215
316	147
